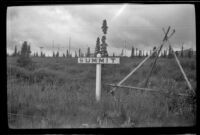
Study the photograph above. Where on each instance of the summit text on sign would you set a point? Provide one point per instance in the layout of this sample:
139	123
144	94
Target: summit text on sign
95	60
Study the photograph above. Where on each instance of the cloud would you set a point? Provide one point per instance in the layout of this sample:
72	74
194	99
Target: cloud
136	25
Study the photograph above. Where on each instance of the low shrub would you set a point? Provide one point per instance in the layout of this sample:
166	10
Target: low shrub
157	69
48	76
18	72
26	62
188	64
178	76
37	76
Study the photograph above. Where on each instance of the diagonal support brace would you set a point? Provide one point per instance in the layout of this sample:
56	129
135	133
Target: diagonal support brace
182	71
133	71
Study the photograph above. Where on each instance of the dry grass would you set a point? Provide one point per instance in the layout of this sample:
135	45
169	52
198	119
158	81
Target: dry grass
60	93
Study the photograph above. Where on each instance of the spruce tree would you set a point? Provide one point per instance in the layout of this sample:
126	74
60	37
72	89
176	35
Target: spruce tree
170	52
104	45
15	52
132	52
67	54
97	48
154	52
140	53
122	53
57	54
165	53
182	51
24	59
29	50
79	52
43	55
88	52
136	52
76	55
24	49
104	27
190	53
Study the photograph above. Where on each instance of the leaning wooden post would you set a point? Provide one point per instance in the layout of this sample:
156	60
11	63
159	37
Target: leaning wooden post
98	80
126	77
182	71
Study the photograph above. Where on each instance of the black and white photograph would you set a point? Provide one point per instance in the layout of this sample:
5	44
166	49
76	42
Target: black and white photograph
101	66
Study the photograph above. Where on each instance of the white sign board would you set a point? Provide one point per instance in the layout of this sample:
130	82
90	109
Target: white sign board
95	60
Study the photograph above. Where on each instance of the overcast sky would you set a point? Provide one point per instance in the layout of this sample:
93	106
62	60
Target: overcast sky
128	25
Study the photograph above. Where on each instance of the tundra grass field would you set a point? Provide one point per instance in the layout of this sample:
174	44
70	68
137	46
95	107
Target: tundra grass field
60	93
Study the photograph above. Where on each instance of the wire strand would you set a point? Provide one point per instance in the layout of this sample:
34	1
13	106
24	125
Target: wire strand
24	115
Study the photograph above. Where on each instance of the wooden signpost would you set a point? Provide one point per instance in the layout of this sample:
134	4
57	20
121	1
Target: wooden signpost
98	61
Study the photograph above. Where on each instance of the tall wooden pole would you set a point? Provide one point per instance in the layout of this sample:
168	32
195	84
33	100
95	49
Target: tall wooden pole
98	80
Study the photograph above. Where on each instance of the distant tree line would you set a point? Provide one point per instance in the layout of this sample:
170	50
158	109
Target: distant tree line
101	47
25	50
135	52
